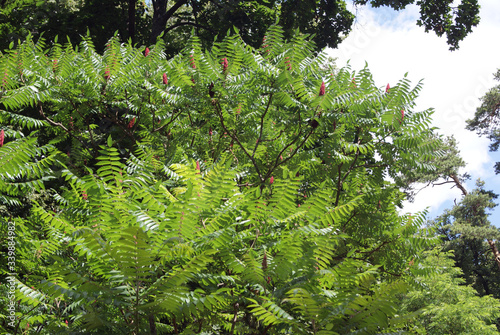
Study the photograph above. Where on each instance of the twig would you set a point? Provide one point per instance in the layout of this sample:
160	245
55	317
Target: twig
60	125
339	184
262	124
235	317
236	139
256	237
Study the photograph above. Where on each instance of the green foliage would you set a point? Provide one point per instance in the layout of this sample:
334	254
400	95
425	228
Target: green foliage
266	115
70	19
486	118
127	250
25	167
445	305
252	198
446	163
455	20
328	21
466	229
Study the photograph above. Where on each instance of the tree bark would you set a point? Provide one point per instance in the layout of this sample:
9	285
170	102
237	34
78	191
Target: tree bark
131	19
458	183
495	252
152	325
161	16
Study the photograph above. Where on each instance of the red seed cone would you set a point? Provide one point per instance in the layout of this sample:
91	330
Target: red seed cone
225	64
131	123
2	137
107	74
146	52
264	45
387	88
288	63
271	180
165	79
198	165
193	64
322	89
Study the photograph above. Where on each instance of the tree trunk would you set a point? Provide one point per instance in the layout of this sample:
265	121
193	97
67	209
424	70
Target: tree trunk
152	325
496	254
131	20
161	16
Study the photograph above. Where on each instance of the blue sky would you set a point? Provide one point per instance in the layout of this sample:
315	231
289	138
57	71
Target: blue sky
392	44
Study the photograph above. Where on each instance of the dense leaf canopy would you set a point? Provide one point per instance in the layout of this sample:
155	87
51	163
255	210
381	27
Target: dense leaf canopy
225	191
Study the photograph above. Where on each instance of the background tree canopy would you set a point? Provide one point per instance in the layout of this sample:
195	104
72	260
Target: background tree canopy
144	21
486	119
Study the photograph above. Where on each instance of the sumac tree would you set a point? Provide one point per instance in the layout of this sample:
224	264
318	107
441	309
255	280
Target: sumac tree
234	191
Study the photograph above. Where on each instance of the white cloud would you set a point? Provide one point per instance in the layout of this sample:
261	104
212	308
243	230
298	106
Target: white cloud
393	44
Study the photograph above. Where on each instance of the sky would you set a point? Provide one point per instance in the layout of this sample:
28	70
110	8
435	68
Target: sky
392	44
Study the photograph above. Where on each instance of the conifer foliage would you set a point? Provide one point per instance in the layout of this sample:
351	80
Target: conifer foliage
230	191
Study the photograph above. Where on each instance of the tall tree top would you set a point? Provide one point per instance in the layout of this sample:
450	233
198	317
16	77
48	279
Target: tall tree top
486	120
